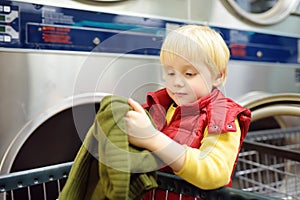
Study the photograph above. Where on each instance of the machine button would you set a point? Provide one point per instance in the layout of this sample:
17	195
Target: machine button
7	38
6	9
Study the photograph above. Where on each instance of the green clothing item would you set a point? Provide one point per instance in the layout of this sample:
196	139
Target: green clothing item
106	165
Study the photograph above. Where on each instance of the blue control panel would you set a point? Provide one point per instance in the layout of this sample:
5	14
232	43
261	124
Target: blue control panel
32	26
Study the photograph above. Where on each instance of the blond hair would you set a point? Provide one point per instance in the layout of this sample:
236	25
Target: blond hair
200	45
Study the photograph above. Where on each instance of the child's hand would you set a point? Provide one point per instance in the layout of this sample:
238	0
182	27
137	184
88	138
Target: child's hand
138	125
142	133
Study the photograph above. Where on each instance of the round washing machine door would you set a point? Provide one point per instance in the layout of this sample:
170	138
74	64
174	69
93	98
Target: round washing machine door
271	111
264	12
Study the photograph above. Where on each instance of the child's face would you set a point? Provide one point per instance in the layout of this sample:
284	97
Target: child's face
185	84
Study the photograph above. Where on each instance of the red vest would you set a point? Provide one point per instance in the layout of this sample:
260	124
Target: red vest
189	121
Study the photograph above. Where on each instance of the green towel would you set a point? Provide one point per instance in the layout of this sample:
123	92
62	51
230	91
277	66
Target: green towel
106	164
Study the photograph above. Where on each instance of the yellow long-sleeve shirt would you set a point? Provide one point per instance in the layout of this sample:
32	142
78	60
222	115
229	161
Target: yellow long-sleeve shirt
210	166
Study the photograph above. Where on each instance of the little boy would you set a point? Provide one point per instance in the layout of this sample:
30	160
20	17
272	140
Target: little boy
199	131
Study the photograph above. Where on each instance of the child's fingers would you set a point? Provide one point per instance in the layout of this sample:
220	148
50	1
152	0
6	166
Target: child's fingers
135	105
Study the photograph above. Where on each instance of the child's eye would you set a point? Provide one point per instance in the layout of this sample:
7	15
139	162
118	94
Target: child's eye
170	73
189	74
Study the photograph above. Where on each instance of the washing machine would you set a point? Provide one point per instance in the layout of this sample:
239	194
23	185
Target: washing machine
60	58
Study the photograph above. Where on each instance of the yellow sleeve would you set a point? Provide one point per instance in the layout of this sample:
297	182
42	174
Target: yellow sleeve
210	167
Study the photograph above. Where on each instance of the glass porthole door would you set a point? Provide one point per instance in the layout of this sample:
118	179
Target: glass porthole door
264	12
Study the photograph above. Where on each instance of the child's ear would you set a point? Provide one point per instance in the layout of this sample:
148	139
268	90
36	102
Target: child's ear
218	80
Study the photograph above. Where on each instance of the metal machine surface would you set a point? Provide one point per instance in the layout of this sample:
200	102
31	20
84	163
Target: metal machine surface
59	58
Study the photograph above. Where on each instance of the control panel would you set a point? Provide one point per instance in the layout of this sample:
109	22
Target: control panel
9	24
31	26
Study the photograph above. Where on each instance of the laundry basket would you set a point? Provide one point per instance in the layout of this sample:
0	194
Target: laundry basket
47	182
269	163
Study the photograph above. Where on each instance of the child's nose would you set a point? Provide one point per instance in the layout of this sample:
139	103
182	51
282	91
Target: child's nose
179	81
